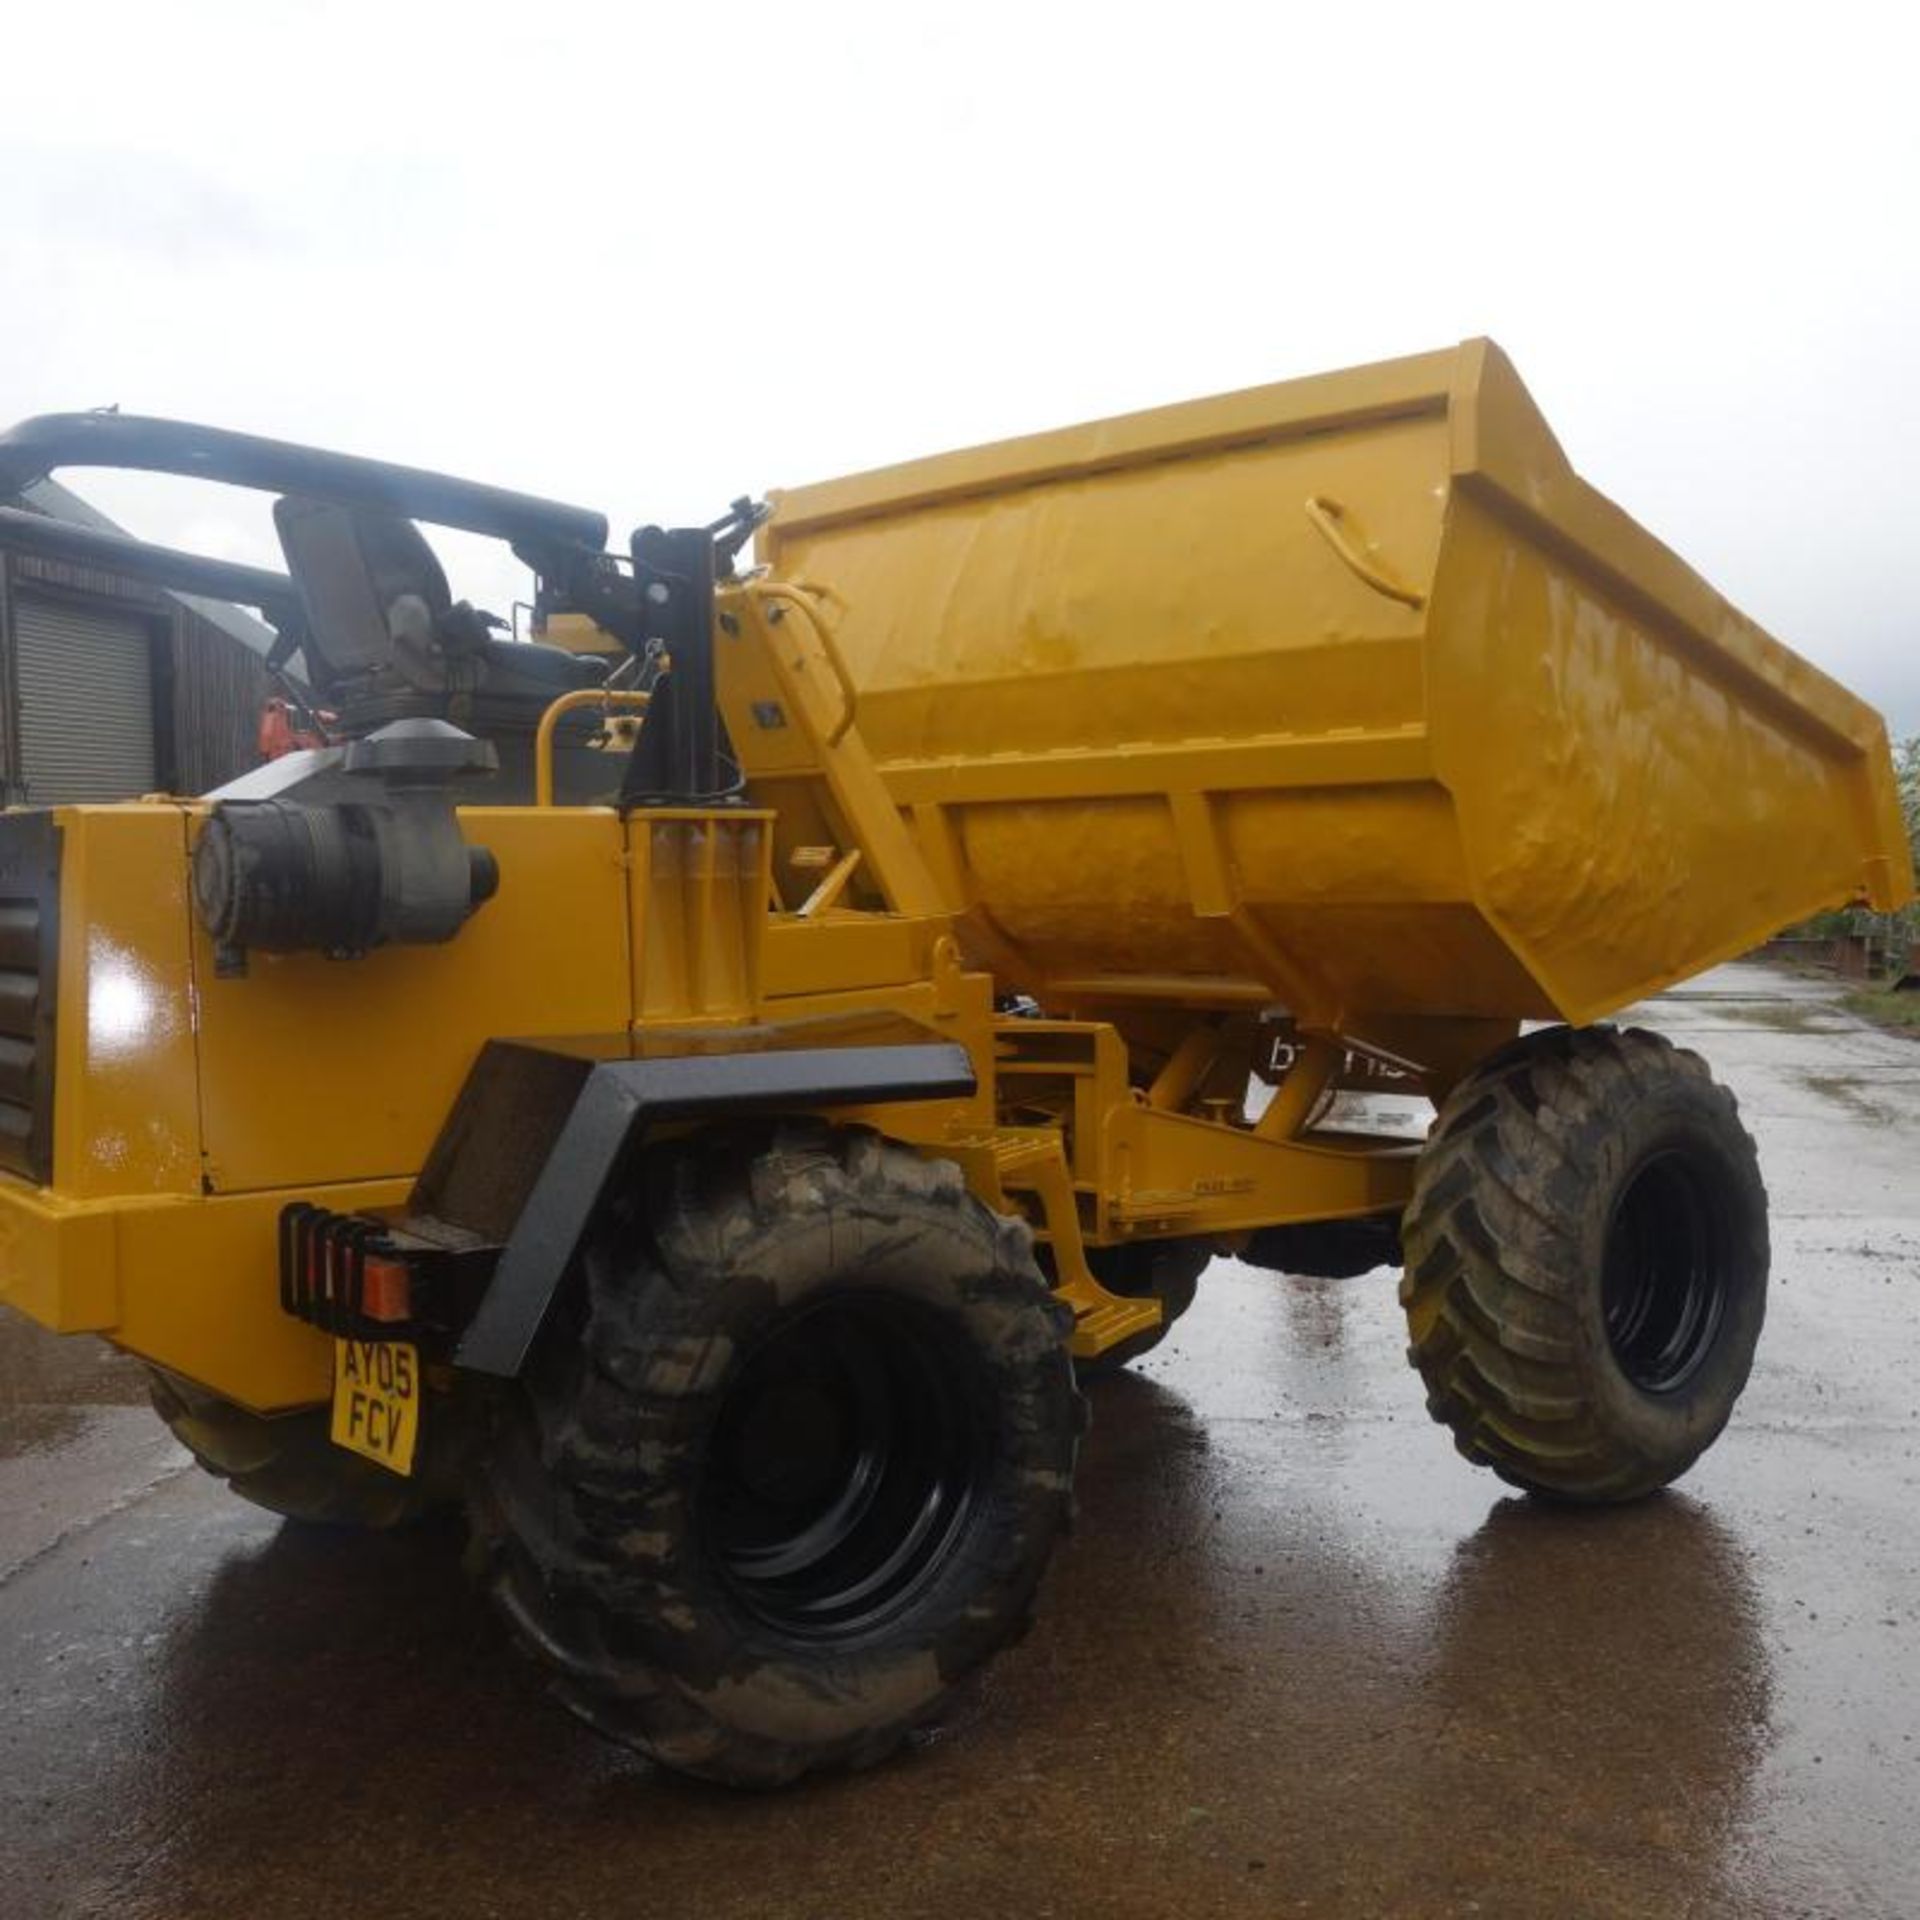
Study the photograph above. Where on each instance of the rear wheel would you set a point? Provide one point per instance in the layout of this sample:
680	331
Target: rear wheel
797	1465
1586	1263
287	1464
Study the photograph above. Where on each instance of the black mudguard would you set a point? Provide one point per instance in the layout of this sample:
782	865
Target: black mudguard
540	1130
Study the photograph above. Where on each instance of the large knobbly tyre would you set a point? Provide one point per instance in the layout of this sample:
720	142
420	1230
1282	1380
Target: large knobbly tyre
287	1464
1165	1270
792	1461
1586	1262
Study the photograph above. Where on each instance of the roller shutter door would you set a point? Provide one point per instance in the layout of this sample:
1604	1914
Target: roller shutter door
85	675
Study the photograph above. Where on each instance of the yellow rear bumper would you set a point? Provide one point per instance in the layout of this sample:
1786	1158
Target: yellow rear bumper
58	1263
191	1284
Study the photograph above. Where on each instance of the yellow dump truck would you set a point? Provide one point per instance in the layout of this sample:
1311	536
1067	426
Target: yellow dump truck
699	1088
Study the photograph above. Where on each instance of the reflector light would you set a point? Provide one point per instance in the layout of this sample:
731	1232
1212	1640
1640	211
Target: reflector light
387	1294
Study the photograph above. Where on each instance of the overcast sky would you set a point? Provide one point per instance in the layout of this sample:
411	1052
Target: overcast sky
649	258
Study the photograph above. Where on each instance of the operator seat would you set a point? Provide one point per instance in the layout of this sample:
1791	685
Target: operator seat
379	611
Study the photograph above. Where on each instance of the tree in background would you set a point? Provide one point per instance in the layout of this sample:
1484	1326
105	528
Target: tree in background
1906	769
1904	929
1892	936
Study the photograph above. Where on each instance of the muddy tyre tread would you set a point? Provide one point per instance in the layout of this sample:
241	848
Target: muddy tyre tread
1500	1329
558	1503
286	1464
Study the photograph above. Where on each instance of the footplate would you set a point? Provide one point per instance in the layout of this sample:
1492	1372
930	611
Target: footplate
1101	1320
1032	1159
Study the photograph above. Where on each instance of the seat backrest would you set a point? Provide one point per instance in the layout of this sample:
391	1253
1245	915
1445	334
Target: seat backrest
354	569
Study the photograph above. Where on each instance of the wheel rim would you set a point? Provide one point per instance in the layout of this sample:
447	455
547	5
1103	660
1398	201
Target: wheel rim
844	1464
1668	1275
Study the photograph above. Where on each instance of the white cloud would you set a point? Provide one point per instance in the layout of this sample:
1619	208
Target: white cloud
650	257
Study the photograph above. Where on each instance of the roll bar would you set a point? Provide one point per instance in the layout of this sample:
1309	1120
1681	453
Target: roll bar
536	528
668	597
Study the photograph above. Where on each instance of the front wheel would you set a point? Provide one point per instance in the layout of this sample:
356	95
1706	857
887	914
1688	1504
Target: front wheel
793	1468
288	1464
1586	1262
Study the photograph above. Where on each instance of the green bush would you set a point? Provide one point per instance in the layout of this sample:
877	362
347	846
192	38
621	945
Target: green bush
1893	933
1903	928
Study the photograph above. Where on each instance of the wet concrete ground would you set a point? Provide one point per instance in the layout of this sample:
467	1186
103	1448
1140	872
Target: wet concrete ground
1298	1658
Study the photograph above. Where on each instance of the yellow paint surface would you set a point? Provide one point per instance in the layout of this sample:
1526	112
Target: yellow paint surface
1346	692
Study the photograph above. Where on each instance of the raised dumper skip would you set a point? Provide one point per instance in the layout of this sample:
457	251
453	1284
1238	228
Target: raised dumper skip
751	1048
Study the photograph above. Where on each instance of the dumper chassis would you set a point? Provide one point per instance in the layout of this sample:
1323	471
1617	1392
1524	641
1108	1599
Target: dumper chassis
706	1090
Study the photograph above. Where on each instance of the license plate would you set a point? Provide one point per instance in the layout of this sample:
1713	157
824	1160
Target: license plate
376	1401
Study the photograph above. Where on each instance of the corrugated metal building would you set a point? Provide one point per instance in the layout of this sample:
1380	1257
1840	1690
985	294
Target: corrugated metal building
109	689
